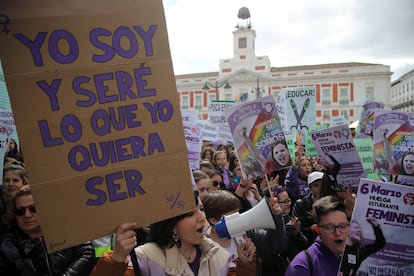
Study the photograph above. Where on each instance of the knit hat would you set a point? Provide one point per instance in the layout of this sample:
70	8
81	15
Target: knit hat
313	176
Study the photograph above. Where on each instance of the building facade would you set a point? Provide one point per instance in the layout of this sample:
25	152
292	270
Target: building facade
341	88
402	93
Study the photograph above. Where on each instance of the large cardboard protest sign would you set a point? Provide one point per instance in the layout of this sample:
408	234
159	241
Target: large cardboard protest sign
94	100
380	239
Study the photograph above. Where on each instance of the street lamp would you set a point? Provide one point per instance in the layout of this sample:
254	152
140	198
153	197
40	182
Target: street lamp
216	86
259	91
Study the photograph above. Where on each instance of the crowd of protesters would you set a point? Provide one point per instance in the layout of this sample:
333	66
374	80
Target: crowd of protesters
313	220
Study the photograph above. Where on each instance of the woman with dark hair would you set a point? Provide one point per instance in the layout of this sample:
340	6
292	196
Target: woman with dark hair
207	154
13	151
176	246
233	162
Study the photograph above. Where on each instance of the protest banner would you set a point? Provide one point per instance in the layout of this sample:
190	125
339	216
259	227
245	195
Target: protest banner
393	138
380	239
280	99
300	109
364	148
216	111
258	136
338	120
94	99
189	115
218	118
193	142
366	120
337	152
208	131
4	142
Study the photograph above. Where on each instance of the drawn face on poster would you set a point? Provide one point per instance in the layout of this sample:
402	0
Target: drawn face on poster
258	136
393	139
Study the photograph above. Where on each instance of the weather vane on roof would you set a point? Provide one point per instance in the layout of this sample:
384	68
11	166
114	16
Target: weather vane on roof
244	15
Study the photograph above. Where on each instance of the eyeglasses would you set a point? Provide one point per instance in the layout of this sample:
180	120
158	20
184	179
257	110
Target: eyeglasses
216	183
286	202
330	228
22	210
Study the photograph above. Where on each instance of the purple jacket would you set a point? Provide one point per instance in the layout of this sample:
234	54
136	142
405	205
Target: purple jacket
296	186
325	263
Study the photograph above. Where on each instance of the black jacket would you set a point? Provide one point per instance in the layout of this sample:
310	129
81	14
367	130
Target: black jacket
303	211
20	255
270	245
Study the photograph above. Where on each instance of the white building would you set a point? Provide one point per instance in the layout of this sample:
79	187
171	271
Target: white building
402	93
341	87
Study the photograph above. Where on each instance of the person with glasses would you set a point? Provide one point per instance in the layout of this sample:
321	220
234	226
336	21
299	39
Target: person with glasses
323	257
356	250
216	180
23	252
297	241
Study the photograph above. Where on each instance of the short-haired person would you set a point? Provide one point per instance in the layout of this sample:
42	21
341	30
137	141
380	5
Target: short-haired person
23	252
206	166
203	183
323	257
14	177
269	242
243	261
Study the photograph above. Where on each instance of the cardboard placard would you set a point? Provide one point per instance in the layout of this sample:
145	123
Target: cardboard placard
94	99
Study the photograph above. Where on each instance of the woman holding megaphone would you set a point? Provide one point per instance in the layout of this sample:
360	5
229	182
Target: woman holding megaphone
176	246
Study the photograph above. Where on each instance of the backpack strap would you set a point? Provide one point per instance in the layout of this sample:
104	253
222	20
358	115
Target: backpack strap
309	259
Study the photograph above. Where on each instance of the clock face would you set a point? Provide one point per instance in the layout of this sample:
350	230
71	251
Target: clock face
242	42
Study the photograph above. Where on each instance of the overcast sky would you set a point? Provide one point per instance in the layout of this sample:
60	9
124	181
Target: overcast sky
293	32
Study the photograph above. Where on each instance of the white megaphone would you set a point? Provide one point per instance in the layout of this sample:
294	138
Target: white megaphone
260	216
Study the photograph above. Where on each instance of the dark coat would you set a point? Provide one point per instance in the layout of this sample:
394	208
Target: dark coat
20	255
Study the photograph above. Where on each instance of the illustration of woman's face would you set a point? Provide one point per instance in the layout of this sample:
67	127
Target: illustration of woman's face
355	232
408	164
268	107
281	154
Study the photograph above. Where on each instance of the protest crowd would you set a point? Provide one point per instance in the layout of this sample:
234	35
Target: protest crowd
312	218
117	180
